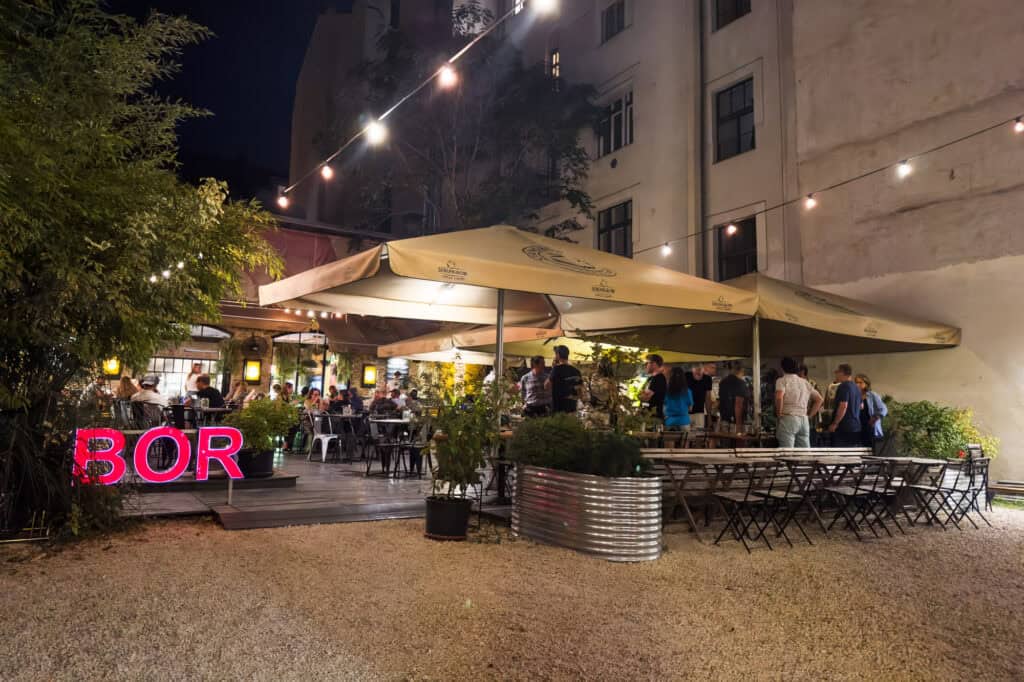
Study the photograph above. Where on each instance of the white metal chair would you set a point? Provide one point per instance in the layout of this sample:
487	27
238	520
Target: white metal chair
321	435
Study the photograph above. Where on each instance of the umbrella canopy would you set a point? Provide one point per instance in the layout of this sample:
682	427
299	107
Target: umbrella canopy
481	341
799	320
455	277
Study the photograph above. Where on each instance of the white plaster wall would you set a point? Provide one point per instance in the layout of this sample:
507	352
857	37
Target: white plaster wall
985	373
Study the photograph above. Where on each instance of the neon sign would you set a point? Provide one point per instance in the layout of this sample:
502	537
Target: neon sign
113	444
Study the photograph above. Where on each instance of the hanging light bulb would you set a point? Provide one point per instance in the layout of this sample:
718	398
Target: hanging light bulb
376	133
447	77
181	264
1018	125
903	169
326	172
310	314
287	311
282	201
731	229
166	274
544	6
666	250
200	255
323	316
152	278
810	202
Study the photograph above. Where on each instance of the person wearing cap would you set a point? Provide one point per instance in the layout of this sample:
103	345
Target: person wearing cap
563	382
148	393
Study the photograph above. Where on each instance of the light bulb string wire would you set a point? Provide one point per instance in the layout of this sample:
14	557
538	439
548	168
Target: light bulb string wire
837	185
409	95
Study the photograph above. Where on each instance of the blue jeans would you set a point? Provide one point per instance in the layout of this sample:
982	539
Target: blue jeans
793	432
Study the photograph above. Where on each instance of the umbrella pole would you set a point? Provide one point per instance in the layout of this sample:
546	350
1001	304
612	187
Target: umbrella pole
757	373
499	351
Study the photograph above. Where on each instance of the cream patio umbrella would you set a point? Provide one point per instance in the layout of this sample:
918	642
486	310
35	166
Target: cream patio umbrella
505	275
797	320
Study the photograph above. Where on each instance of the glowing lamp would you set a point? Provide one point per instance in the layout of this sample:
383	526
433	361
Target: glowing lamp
376	133
369	376
666	250
253	370
810	202
446	77
903	169
326	172
731	229
1018	126
112	367
544	6
282	201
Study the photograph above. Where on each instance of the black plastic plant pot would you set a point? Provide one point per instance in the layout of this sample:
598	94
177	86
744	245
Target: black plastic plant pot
256	464
447	518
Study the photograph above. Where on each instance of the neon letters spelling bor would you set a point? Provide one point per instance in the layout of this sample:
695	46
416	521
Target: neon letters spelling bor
114	443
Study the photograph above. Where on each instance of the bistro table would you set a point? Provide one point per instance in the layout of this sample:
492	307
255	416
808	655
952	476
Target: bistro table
203	413
810	475
681	467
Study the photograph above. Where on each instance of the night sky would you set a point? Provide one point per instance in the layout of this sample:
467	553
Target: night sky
246	76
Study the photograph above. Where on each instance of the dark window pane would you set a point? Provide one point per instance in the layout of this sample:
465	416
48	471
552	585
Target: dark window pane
734	120
615	229
728	11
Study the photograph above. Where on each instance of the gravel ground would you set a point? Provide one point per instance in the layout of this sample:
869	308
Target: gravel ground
185	599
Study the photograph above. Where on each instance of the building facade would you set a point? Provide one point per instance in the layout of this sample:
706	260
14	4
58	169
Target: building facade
721	111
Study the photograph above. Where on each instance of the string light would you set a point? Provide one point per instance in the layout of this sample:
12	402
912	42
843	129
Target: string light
323	316
810	202
181	265
282	201
376	133
326	172
903	169
166	274
1018	125
310	314
544	6
731	229
666	250
446	77
287	311
152	278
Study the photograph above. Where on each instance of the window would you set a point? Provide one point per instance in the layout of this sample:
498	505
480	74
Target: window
555	65
613	20
737	248
616	128
615	229
173	372
734	117
728	11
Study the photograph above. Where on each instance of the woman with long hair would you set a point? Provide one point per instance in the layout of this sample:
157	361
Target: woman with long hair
125	389
872	409
678	401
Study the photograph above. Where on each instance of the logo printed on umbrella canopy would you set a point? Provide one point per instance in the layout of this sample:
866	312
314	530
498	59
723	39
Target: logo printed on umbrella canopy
451	271
821	300
870	329
721	303
603	289
552	256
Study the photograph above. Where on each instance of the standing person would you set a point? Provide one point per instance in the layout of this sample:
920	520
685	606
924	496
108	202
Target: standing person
796	401
275	391
536	398
872	410
563	382
193	377
845	427
678	400
287	392
96	393
396	382
653	395
700	387
733	397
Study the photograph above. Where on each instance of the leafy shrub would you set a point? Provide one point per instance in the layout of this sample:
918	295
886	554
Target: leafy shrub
560	442
924	429
261	421
469	429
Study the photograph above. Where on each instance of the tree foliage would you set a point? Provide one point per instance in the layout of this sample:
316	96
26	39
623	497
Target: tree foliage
501	144
91	209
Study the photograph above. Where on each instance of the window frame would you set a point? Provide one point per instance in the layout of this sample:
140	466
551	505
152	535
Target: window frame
606	227
616	124
735	118
620	10
746	225
738	13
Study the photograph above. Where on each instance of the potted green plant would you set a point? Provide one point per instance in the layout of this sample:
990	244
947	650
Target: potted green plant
261	422
466	428
587	490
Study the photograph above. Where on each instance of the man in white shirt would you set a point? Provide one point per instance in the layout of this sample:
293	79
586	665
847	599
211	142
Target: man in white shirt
795	401
148	393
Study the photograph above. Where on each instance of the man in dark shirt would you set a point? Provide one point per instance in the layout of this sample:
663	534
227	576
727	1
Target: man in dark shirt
700	386
733	395
563	381
205	390
355	401
845	426
653	395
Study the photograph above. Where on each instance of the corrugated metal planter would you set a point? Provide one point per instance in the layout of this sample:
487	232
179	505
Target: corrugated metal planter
618	519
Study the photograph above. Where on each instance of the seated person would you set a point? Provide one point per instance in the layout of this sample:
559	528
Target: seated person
413	404
355	401
148	393
382	404
397	399
313	401
205	390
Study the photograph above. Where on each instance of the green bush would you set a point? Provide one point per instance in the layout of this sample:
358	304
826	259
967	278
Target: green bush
924	429
560	442
261	421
